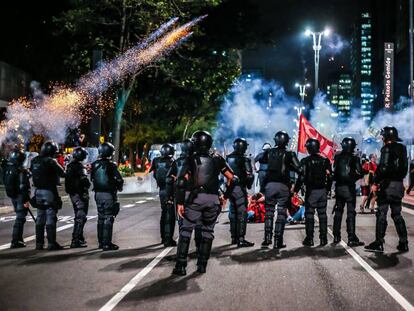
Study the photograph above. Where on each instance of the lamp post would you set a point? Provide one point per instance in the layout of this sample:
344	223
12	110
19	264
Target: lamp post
302	90
317	38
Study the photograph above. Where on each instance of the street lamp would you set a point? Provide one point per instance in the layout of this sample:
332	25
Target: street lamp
302	90
317	37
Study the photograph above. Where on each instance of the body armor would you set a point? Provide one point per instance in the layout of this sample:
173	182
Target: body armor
347	168
105	176
280	163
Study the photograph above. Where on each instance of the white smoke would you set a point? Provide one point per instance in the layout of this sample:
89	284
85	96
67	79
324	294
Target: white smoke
250	111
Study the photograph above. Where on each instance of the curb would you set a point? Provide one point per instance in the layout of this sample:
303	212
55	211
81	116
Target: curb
6	209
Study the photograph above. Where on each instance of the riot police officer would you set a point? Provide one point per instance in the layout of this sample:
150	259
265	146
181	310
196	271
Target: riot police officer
347	170
107	181
179	166
160	166
17	186
201	204
277	187
261	158
77	185
317	178
242	167
388	183
46	173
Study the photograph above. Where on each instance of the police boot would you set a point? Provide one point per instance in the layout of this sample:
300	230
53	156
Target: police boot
402	234
309	228
279	230
17	237
107	239
378	244
197	237
352	238
182	253
233	231
242	232
52	245
40	236
204	255
268	232
323	232
169	228
162	227
337	228
100	235
76	236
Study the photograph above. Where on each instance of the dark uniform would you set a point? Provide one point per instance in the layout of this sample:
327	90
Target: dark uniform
202	204
389	177
242	168
317	178
46	173
107	181
179	168
262	159
347	170
17	185
77	186
277	190
160	166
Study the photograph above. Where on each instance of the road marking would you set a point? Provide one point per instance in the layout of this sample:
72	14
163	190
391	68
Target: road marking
111	304
377	277
408	210
33	237
150	198
128	205
140	202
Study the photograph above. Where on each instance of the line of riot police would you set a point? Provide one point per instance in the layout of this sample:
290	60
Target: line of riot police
190	186
46	173
193	180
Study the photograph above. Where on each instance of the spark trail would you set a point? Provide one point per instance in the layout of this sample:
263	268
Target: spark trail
66	107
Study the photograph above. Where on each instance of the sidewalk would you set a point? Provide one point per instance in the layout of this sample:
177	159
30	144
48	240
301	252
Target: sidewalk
408	201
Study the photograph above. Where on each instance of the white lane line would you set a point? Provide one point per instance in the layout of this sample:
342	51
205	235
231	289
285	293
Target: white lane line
140	202
128	205
150	198
408	210
33	237
111	304
377	277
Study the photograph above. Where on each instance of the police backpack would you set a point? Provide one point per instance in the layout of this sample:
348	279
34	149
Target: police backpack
11	179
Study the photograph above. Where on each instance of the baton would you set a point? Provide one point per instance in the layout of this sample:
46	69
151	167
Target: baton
31	214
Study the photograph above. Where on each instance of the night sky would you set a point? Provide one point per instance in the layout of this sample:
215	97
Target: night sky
289	57
285	54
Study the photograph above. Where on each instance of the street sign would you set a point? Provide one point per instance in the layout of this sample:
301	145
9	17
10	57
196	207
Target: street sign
388	75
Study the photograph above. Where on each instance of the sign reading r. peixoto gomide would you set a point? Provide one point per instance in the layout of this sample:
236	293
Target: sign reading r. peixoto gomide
388	75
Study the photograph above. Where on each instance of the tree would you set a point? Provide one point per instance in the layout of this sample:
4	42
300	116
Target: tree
113	26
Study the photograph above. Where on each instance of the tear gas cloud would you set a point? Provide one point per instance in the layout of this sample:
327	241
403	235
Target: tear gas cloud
333	45
250	111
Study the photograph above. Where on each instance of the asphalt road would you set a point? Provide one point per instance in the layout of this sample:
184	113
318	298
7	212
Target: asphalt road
295	278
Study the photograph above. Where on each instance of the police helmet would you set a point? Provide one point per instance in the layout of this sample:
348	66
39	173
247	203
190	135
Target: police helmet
17	156
106	150
348	144
312	146
167	150
202	141
390	133
240	145
49	149
281	139
79	154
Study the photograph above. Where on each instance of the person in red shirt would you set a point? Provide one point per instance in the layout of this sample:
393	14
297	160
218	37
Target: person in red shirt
371	167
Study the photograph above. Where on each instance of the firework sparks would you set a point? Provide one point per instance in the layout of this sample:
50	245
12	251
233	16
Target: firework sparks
52	115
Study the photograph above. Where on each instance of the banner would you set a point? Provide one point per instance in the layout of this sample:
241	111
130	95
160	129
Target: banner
388	75
306	131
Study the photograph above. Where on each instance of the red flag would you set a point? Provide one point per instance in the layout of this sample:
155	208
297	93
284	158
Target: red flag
306	130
